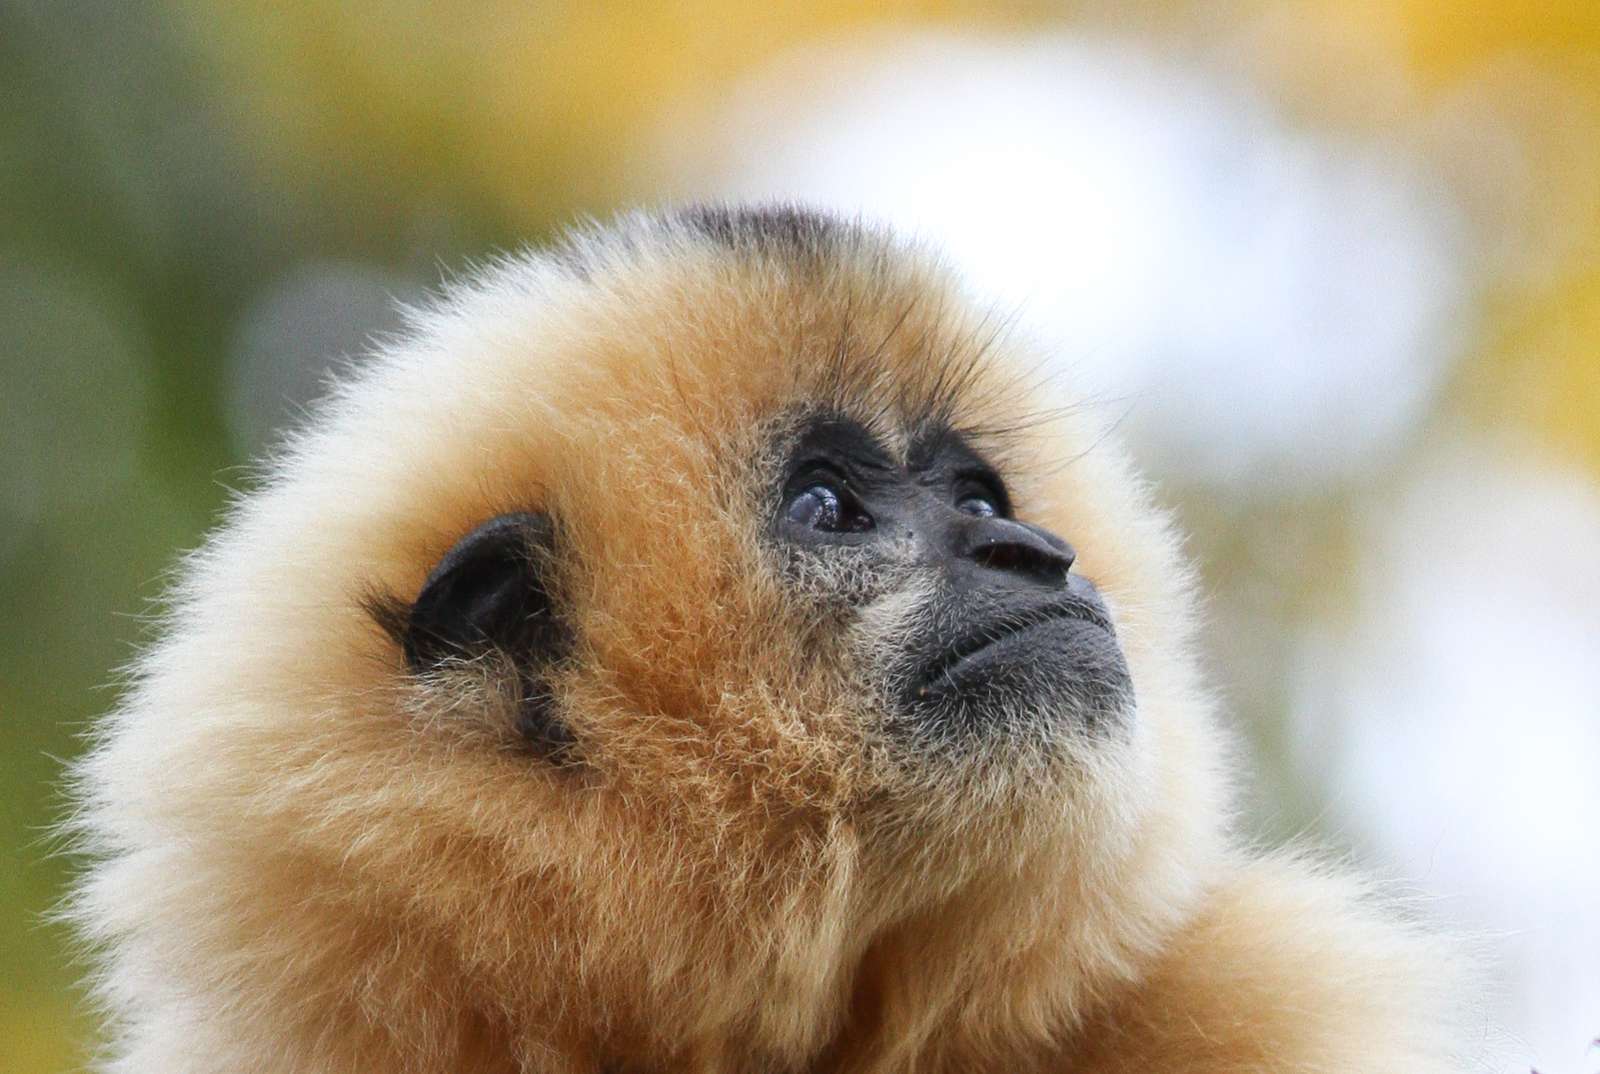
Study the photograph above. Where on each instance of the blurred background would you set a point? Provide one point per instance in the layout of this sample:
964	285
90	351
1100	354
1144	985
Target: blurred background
1333	266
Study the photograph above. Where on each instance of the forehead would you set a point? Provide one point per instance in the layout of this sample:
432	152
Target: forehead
660	360
769	315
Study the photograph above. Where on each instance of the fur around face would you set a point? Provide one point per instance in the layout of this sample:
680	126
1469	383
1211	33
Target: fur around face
307	859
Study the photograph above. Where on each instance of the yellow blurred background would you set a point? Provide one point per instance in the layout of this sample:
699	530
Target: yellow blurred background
1333	265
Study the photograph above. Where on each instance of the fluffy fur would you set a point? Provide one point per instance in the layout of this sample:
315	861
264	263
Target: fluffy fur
306	859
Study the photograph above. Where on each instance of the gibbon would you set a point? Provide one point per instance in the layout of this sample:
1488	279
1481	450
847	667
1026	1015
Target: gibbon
706	647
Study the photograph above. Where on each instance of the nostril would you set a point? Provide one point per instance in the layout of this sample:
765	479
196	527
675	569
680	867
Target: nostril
1017	559
1015	547
1000	556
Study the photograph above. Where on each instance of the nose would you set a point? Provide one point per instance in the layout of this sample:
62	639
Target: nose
1004	544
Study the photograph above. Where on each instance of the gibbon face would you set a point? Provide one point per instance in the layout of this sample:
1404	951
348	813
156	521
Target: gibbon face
968	627
710	632
997	633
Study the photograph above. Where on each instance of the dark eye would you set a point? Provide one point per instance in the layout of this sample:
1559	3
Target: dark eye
822	506
978	505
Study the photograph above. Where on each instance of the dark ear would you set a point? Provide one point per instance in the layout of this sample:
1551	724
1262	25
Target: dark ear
489	594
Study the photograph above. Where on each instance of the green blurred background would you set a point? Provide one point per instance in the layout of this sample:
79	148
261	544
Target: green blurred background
202	204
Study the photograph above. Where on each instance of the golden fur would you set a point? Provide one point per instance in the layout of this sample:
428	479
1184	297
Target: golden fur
307	860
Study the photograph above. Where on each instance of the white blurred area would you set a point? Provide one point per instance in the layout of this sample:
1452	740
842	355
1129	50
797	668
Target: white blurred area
1266	307
1460	718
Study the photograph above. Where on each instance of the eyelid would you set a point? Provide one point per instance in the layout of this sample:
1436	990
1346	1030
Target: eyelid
807	472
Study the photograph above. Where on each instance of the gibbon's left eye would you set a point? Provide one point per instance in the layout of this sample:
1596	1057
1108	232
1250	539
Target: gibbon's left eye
826	507
978	505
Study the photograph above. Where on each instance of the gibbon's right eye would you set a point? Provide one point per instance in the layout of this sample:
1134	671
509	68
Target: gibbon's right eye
827	508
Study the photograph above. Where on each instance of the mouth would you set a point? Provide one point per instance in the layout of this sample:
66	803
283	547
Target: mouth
992	639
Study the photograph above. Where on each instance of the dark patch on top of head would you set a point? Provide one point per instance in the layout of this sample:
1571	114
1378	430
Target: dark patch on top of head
788	230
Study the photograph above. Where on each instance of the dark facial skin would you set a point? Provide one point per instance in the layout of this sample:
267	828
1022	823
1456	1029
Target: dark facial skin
1012	629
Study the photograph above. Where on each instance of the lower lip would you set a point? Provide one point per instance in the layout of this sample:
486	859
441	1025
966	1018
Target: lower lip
949	676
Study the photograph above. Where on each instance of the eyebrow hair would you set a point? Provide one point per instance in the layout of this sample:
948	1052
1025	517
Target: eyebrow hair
836	434
937	439
935	442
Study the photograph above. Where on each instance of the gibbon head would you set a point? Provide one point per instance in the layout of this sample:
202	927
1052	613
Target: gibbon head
712	638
